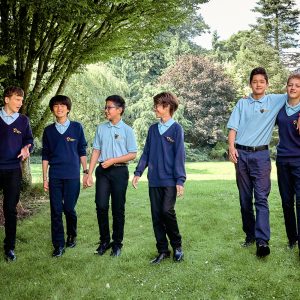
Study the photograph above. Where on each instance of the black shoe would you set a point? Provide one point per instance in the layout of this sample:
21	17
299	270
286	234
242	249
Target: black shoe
248	242
160	257
178	254
292	244
58	251
71	241
103	247
116	251
262	249
10	255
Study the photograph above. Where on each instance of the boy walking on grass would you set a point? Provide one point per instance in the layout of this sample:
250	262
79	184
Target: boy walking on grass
114	146
251	124
64	149
16	139
164	155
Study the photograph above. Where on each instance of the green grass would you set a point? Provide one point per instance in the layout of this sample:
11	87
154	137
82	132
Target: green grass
215	266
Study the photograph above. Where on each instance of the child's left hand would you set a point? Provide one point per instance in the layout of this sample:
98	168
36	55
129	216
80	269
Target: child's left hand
109	162
24	154
180	190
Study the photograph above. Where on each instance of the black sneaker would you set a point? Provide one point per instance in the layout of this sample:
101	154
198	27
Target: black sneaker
262	249
10	255
58	251
103	247
71	241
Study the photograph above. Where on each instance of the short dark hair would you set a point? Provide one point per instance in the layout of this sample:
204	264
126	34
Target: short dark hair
259	71
13	90
165	99
118	101
60	99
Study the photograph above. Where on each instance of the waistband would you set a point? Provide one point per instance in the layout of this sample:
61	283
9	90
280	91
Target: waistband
252	149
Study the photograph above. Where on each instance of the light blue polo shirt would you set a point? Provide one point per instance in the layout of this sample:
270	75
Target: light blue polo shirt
163	127
8	119
62	128
114	140
254	119
290	110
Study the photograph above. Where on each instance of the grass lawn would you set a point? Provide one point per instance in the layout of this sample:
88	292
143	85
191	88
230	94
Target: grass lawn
215	266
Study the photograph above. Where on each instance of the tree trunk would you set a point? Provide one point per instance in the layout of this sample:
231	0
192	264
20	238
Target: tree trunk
26	174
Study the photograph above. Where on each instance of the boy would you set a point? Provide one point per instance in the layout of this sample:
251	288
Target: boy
64	148
251	124
16	139
288	161
164	155
114	146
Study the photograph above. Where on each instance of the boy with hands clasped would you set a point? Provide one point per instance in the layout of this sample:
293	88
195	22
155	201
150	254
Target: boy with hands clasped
114	146
164	155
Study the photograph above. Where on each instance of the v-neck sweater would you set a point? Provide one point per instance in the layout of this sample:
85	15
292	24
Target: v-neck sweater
63	151
13	138
288	148
164	155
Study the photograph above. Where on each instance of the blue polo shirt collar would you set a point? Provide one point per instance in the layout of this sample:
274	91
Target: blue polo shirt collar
118	125
290	110
251	99
66	124
4	114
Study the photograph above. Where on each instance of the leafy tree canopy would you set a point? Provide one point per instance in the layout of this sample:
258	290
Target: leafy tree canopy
46	41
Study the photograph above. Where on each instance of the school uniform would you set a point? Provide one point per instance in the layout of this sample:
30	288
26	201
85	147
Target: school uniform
253	120
15	133
113	140
63	145
288	169
164	155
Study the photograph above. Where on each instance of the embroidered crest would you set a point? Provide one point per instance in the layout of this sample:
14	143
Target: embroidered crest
295	123
118	137
69	139
15	130
169	139
264	110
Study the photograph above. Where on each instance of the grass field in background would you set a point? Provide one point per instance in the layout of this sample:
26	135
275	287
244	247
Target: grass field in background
215	266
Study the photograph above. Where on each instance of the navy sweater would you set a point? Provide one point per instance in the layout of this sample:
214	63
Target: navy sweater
164	155
63	151
13	138
288	148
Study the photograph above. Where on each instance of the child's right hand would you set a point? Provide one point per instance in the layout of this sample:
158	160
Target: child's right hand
46	185
135	181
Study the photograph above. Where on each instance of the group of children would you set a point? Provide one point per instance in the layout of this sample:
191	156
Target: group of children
250	130
64	150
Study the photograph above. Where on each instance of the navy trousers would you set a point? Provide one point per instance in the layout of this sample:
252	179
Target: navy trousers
113	182
288	174
10	183
164	219
63	195
253	177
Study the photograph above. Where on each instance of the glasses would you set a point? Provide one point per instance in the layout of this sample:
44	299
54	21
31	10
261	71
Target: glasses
110	107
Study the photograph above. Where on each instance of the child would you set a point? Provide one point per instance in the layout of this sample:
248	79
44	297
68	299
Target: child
64	148
114	146
16	139
164	155
288	160
251	124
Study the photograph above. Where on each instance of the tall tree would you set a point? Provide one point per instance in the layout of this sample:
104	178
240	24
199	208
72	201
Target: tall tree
206	92
46	41
278	23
